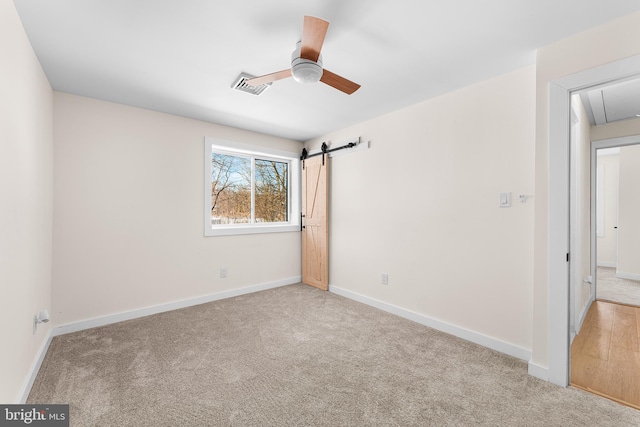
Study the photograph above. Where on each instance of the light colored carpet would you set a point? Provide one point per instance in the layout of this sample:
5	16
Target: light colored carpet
297	356
615	289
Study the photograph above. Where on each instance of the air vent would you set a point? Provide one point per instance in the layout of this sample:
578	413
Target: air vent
241	84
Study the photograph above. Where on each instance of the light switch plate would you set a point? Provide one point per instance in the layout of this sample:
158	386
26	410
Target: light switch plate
504	200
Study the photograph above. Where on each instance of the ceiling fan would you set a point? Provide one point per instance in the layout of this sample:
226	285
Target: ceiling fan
306	61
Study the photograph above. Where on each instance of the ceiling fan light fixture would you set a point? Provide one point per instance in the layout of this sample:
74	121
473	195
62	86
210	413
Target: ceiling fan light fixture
306	61
305	71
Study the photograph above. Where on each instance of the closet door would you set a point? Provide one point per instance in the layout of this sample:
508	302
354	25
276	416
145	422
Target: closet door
315	231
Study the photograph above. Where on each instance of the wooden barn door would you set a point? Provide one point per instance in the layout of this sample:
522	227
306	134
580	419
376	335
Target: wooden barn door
315	231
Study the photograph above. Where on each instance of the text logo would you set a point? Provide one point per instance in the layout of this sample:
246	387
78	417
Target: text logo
34	415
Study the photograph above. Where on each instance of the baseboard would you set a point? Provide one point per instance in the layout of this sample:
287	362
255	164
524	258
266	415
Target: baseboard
538	371
483	340
147	311
610	264
583	315
35	368
629	276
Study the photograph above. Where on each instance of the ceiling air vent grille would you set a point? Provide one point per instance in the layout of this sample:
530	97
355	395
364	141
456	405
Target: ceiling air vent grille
241	84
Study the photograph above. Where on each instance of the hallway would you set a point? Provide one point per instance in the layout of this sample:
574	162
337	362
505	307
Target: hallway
605	355
615	289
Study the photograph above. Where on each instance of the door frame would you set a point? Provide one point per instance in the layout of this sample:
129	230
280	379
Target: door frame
596	145
558	237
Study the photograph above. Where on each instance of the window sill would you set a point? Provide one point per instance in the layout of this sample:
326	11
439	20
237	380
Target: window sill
254	229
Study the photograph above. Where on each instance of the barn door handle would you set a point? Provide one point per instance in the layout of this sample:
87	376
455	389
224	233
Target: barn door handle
301	226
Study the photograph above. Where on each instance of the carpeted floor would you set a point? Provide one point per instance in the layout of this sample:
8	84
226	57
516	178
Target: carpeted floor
297	356
615	289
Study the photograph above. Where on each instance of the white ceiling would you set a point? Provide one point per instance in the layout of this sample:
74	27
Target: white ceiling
180	57
612	103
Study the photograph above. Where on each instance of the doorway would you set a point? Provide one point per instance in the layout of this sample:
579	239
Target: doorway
616	230
599	192
595	183
606	351
559	213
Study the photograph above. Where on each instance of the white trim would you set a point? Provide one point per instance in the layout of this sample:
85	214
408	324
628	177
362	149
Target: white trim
251	150
557	233
254	229
538	371
583	315
466	334
600	171
175	305
605	152
604	144
593	175
575	191
35	368
611	264
629	276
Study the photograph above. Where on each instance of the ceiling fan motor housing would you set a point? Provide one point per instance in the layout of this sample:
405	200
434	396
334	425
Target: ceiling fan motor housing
305	70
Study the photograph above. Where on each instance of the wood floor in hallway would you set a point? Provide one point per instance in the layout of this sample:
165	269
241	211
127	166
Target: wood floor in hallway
605	355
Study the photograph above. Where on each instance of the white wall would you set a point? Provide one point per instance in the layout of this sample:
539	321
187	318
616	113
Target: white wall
581	220
128	214
601	45
616	129
422	206
26	200
607	243
629	214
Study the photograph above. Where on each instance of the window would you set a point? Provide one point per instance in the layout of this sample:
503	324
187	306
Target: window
250	189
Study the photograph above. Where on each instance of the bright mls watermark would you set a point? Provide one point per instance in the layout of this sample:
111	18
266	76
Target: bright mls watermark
34	415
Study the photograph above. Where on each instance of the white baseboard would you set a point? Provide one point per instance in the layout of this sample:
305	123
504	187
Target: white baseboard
147	311
466	334
583	315
629	276
610	264
35	368
538	371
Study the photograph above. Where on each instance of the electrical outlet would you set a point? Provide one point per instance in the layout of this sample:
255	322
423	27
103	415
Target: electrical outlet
223	273
385	279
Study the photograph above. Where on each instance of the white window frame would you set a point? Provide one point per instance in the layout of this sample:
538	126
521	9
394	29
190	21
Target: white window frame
212	145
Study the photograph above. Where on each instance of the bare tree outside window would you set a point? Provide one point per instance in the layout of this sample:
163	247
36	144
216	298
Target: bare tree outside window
230	189
231	201
271	191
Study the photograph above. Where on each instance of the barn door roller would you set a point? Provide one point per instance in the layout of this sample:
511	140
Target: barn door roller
324	150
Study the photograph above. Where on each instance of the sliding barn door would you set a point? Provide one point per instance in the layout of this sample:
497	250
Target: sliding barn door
315	231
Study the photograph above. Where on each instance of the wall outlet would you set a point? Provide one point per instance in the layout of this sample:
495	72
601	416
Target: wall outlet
223	273
384	279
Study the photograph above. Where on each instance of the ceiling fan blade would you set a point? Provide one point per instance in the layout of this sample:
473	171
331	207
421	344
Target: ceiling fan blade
338	82
313	32
268	78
